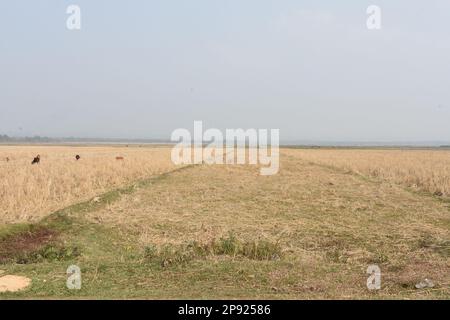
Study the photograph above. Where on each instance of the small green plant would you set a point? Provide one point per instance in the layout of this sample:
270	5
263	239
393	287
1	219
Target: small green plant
48	253
227	246
230	245
168	255
262	250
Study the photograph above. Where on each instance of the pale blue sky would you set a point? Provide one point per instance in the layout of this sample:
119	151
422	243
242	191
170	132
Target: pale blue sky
140	69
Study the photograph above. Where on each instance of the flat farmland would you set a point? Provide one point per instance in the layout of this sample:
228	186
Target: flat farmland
145	228
29	192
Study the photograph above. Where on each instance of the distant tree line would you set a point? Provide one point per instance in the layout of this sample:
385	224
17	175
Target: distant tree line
38	139
6	138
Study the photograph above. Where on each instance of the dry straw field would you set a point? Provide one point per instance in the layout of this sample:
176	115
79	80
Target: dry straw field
425	170
28	192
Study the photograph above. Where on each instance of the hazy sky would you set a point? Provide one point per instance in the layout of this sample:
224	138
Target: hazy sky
140	69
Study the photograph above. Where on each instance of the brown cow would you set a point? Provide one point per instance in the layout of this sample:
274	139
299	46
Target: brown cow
120	158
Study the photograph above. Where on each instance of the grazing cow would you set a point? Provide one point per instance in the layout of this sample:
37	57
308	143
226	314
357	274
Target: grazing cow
119	158
77	157
7	159
36	160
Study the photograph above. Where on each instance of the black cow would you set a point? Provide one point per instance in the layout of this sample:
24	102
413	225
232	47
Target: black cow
36	160
77	157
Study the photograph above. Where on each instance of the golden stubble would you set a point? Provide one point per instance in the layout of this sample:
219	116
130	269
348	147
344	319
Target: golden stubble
324	218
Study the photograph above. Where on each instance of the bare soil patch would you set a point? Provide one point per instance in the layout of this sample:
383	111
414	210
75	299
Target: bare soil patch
24	243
